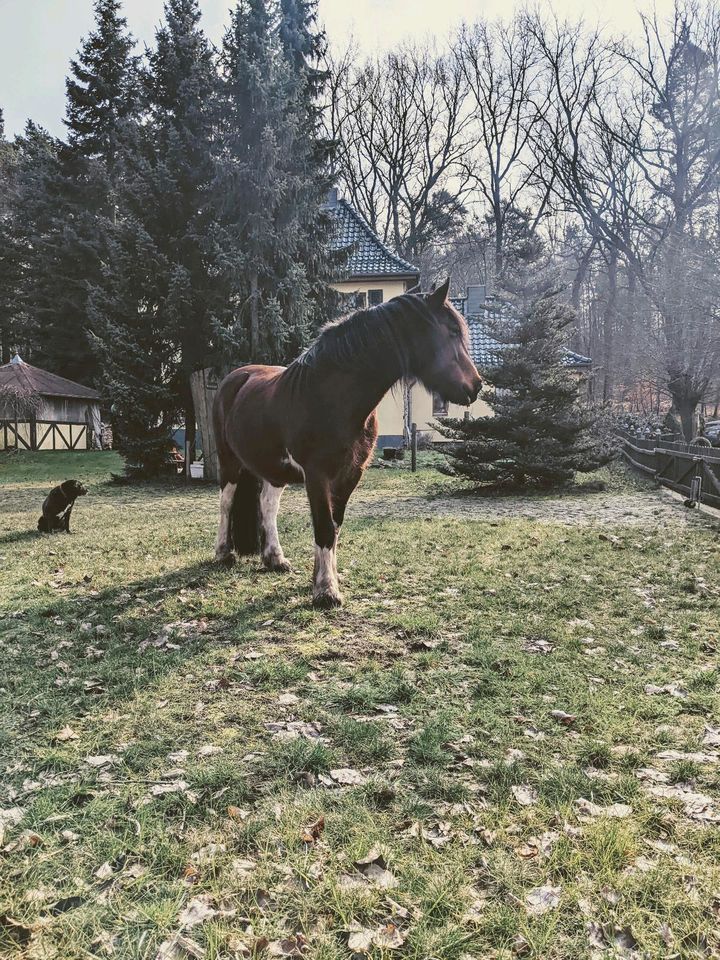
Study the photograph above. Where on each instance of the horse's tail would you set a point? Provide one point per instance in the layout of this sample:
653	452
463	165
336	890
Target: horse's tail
244	515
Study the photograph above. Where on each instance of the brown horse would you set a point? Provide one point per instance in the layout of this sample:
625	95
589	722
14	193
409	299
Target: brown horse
314	422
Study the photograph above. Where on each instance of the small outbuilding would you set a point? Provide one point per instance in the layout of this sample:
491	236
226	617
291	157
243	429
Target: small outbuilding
41	411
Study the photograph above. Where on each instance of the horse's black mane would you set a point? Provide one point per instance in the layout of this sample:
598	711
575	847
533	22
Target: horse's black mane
366	335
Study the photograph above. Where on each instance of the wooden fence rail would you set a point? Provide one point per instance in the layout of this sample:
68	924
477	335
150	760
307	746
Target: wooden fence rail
690	469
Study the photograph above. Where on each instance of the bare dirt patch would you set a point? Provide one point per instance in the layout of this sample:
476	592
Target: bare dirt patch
655	508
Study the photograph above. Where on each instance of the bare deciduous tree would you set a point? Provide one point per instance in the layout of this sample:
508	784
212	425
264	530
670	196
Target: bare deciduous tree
403	132
510	94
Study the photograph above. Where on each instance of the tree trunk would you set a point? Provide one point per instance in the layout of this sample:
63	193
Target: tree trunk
609	325
204	387
687	410
189	410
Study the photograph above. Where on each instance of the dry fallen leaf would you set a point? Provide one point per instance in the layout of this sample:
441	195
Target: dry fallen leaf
179	947
373	867
288	947
208	853
344	777
587	810
541	899
104	871
386	937
524	794
106	760
697	806
197	911
712	737
10	818
361	940
565	718
67	733
672	689
537	645
313	831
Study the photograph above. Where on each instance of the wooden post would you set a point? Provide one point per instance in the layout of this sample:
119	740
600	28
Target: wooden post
188	459
413	447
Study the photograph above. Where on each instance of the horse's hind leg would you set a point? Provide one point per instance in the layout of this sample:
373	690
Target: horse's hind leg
272	554
223	545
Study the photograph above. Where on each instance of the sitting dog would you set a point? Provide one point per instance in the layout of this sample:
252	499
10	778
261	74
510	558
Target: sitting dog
58	504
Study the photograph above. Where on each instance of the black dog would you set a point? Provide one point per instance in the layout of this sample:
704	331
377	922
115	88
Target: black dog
58	504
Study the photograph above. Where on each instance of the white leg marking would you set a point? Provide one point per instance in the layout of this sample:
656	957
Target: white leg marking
325	579
273	556
222	548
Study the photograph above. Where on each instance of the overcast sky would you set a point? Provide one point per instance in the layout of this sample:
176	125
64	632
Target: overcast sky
38	37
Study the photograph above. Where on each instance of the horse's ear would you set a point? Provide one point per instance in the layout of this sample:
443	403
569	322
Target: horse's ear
415	289
439	296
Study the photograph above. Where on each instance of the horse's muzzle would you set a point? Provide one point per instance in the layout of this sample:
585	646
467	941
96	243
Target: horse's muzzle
474	391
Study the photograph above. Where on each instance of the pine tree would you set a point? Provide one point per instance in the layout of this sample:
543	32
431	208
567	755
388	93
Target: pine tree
80	191
272	181
30	220
9	260
540	434
181	85
136	353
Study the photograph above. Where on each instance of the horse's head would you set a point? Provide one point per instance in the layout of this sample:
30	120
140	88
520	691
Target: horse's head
443	361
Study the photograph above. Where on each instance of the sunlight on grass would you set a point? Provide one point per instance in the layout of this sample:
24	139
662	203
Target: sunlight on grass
501	708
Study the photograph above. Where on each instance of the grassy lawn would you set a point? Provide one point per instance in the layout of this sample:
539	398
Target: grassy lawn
505	744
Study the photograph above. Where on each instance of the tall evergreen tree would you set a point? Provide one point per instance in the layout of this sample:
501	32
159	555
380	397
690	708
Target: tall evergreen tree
181	84
135	349
272	180
540	434
101	97
29	220
9	264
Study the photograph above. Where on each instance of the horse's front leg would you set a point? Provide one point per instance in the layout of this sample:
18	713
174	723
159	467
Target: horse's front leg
272	553
223	544
326	592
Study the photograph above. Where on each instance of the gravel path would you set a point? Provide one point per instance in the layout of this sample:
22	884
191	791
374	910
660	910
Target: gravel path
652	508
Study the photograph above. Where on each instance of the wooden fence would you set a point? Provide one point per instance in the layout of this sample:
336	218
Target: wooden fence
43	435
680	466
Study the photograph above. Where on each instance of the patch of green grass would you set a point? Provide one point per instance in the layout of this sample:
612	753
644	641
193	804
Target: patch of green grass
184	748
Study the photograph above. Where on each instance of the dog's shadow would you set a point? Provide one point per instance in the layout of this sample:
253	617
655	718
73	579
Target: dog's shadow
19	535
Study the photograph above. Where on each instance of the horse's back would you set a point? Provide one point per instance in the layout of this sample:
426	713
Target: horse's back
244	422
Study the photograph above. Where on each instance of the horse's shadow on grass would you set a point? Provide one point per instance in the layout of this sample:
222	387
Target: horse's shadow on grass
128	639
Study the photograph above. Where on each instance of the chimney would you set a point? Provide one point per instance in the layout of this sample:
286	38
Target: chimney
332	197
475	300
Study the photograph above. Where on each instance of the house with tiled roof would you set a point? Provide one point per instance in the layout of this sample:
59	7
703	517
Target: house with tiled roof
373	273
480	312
371	270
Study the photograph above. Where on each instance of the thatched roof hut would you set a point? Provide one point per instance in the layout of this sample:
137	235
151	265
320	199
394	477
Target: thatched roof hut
40	410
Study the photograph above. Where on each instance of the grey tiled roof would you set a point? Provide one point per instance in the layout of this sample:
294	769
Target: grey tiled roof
367	254
486	350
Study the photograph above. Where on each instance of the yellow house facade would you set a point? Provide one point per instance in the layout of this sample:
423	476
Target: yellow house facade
374	274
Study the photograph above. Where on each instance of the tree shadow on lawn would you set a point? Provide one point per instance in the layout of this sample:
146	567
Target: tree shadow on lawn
130	615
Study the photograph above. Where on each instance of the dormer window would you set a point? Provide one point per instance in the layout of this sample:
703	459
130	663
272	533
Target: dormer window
375	298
